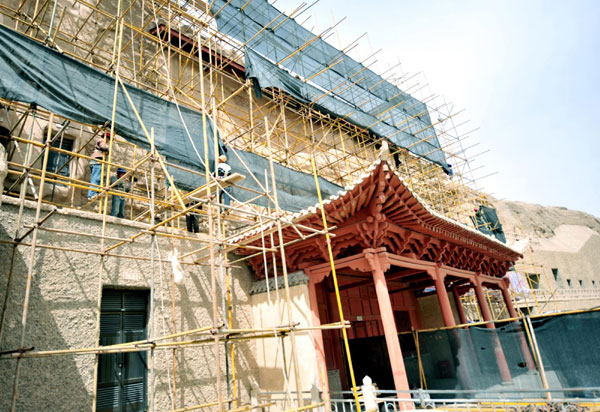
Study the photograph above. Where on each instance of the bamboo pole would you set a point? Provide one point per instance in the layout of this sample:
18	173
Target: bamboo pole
335	284
215	313
119	35
17	226
195	407
31	267
284	269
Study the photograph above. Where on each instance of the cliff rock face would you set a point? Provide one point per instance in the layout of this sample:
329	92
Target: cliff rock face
540	221
561	249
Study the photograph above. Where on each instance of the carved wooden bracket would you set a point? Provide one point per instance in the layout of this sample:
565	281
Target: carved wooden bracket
317	276
377	260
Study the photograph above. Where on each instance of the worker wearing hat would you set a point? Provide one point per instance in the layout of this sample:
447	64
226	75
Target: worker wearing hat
118	202
101	147
224	170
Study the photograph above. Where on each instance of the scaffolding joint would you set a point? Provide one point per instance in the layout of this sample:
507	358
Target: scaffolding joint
20	350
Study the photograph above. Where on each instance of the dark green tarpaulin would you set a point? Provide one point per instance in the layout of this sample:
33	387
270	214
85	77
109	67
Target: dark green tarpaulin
33	73
268	75
486	221
465	358
295	190
272	34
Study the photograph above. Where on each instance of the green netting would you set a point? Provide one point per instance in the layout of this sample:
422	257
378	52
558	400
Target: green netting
467	358
267	74
33	73
267	31
295	190
486	221
569	349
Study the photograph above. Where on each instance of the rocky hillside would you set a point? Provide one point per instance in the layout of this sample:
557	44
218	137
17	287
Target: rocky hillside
540	221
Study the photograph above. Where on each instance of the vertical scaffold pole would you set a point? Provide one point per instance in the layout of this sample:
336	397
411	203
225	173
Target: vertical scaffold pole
284	268
117	55
31	262
335	284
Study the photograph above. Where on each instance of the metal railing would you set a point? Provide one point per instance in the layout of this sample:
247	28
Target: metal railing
514	400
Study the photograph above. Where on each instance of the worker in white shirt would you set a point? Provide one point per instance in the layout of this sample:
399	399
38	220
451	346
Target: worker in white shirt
223	170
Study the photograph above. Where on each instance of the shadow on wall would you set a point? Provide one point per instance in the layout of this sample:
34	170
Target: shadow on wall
61	383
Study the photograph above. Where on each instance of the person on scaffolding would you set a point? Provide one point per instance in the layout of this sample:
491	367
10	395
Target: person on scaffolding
100	147
118	202
191	219
223	170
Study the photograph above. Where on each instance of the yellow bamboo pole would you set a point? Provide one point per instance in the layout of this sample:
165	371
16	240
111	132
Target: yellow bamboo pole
335	285
31	265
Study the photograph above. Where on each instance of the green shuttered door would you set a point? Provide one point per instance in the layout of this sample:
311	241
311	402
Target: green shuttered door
122	376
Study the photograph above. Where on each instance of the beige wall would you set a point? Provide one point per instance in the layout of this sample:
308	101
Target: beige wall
62	313
270	354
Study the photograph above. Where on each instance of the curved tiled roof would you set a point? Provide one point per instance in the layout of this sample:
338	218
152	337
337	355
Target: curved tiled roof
401	206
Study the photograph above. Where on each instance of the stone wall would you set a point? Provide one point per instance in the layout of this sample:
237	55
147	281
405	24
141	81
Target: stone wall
62	312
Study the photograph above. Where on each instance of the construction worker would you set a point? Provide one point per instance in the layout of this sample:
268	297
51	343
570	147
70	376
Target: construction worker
118	202
223	170
191	220
100	147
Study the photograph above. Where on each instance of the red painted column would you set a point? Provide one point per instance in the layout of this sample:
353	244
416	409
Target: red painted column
317	336
459	307
483	305
442	294
415	316
389	327
487	316
508	301
513	314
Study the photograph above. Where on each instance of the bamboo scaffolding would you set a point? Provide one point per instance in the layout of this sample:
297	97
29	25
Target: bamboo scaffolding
30	270
148	344
276	127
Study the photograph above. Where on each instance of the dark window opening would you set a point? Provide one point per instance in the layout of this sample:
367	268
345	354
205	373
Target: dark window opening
4	137
122	376
59	162
569	282
555	273
580	283
534	280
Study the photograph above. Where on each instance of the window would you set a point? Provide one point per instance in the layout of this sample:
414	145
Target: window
593	283
534	280
122	376
4	137
580	283
555	273
58	162
569	282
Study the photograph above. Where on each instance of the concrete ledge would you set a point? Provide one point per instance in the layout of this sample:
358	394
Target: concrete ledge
30	204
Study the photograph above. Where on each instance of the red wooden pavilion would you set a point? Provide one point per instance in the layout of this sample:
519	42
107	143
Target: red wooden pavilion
387	246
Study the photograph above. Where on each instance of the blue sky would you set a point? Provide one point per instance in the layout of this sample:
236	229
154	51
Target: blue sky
527	73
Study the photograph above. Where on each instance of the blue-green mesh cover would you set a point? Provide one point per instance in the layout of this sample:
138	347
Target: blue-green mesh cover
33	73
355	92
465	358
